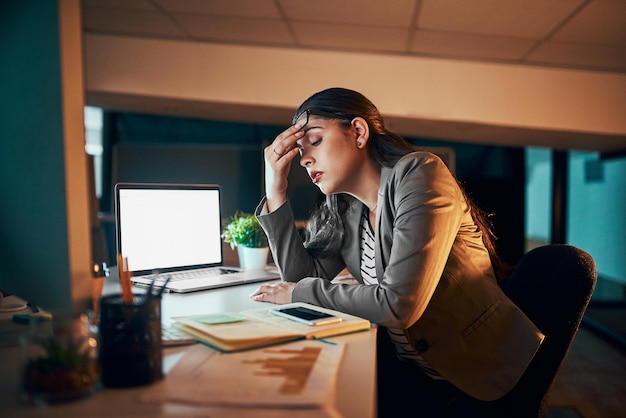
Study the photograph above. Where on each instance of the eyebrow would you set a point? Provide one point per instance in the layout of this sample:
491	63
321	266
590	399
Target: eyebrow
312	127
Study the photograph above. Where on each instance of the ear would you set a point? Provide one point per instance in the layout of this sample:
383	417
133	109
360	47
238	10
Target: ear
362	130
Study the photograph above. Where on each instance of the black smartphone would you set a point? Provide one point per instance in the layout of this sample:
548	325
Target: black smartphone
306	315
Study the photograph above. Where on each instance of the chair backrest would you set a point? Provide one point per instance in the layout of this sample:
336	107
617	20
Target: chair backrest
552	285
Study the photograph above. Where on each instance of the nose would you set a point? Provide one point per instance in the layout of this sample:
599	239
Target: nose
306	159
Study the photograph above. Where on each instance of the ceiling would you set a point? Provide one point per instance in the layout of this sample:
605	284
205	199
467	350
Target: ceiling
575	34
587	35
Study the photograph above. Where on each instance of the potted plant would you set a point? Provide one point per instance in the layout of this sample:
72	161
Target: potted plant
244	232
59	362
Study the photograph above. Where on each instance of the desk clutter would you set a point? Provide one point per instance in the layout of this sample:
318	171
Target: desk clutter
18	311
231	332
58	359
281	366
255	359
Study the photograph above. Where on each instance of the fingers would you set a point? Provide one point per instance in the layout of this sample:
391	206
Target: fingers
260	290
262	293
262	298
285	142
277	153
279	293
278	159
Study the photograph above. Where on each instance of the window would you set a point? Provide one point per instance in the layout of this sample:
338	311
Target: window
93	142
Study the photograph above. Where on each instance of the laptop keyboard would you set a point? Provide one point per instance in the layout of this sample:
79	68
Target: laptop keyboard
172	336
195	274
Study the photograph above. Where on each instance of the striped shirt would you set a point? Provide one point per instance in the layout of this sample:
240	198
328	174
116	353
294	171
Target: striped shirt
404	349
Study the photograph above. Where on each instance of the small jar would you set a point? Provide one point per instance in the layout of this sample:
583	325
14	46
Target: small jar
59	361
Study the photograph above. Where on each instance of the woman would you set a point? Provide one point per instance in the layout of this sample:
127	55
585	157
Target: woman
397	219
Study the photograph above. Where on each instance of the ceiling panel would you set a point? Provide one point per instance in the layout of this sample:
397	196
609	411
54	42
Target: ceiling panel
239	8
600	22
131	22
233	29
120	4
335	36
470	45
395	13
525	19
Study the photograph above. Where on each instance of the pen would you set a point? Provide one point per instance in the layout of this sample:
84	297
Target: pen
325	341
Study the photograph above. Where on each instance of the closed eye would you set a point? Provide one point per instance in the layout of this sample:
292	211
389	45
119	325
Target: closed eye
313	142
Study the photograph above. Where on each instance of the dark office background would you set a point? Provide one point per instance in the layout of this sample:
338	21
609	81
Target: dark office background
149	148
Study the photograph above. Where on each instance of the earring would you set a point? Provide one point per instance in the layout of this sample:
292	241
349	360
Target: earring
358	144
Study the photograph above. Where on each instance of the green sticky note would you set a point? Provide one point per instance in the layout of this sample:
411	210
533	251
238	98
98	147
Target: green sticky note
219	319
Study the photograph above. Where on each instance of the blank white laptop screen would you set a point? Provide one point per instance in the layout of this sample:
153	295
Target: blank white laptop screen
175	228
169	227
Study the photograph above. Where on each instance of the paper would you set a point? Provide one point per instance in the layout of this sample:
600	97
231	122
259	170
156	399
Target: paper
301	374
219	319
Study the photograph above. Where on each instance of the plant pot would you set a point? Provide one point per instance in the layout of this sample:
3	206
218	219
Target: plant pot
252	258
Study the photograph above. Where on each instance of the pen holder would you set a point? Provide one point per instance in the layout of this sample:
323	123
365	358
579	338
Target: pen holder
130	341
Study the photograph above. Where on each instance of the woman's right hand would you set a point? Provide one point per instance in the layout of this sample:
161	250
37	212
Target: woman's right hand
278	156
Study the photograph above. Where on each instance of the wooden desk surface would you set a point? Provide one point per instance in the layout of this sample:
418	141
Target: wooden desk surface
356	388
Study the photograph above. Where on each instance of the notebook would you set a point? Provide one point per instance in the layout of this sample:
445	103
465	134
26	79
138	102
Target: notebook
175	230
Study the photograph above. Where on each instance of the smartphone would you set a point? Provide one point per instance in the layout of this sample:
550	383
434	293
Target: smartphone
306	315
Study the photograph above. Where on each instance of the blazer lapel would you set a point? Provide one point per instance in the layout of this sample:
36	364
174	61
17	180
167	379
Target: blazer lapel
381	207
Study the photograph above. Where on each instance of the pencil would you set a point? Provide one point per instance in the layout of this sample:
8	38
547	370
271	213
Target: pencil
97	283
124	276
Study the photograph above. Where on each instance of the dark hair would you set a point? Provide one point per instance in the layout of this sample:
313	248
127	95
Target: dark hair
325	230
386	148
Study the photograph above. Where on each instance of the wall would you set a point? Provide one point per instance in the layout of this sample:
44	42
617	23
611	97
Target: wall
44	216
596	218
597	213
237	169
538	222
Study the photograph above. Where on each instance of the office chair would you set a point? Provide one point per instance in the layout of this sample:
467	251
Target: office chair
552	285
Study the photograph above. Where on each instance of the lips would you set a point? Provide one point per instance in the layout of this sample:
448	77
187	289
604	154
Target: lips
316	176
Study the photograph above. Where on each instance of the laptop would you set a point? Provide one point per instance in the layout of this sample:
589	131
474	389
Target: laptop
175	230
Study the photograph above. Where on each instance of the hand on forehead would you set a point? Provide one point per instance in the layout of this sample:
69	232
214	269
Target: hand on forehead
303	119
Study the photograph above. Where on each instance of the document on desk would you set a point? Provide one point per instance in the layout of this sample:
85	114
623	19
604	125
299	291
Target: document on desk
255	328
300	374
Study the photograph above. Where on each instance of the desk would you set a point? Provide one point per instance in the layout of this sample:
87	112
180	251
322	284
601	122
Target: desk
356	388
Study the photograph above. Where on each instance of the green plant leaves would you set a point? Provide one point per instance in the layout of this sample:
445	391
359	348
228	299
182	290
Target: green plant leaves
244	229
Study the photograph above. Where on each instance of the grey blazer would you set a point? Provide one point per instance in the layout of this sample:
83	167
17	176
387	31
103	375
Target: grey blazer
434	273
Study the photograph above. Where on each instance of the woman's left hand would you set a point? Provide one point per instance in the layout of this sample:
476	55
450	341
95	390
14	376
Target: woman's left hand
279	293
